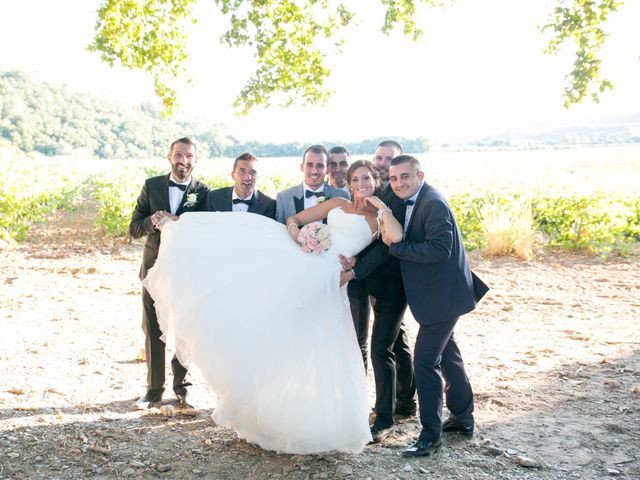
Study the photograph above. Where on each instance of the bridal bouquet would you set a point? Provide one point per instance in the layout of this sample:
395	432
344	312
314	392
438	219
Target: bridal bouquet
314	238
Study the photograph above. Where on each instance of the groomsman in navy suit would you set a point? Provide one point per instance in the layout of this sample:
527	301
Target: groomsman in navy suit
243	196
440	288
164	198
313	188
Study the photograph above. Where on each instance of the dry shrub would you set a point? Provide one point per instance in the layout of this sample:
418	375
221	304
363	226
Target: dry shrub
509	229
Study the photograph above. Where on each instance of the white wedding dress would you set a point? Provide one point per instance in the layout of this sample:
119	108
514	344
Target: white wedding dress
268	326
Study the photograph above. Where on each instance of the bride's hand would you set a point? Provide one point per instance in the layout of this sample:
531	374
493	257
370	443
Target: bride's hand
376	202
347	262
294	232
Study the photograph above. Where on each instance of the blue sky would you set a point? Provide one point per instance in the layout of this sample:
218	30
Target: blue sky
478	71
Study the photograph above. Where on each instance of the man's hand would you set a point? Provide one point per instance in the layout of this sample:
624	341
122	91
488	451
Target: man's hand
346	277
161	217
347	262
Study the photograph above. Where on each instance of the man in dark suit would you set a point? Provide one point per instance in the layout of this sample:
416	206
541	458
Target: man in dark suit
163	199
243	196
313	188
376	276
440	288
339	161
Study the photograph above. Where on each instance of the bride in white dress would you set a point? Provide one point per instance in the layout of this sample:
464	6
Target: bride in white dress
267	324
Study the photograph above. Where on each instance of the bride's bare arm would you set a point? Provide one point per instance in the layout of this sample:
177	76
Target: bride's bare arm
390	229
311	215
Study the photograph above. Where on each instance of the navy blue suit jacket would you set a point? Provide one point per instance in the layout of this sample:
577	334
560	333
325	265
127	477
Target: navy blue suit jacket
435	272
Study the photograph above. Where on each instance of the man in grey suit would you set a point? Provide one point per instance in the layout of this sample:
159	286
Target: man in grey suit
243	196
313	188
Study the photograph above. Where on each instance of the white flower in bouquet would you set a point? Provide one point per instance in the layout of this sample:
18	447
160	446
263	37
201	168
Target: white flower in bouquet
315	238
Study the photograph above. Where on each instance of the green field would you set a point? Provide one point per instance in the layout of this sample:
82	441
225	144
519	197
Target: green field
580	198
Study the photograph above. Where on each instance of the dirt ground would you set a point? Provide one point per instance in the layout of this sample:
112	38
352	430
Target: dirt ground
553	353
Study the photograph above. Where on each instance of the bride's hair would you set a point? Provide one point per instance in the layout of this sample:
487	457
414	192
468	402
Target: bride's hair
369	166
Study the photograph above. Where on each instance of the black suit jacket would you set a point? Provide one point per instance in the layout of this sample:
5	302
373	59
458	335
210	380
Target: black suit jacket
155	197
435	271
379	269
219	200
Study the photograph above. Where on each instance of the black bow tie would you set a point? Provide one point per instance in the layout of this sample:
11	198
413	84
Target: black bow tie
409	203
239	200
310	193
177	185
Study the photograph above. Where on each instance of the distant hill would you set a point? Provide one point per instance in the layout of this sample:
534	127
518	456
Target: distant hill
52	120
616	130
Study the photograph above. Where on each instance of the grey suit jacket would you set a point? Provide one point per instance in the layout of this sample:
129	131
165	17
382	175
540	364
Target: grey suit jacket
291	201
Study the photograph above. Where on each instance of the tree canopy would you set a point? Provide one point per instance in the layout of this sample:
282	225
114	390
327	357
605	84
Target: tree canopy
291	39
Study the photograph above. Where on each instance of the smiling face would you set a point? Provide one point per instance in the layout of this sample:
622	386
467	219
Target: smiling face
362	183
245	176
382	159
405	180
337	169
182	159
314	167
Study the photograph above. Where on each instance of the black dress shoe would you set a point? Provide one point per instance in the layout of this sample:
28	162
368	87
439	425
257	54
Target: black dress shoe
422	448
402	412
380	432
450	425
153	398
181	398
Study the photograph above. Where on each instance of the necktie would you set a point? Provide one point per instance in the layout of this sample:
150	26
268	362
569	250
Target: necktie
239	200
310	193
408	203
177	185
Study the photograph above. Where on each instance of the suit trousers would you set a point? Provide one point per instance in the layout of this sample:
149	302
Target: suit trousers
391	360
360	308
436	356
154	350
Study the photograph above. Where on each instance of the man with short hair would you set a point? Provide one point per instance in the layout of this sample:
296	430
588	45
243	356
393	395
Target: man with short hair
339	160
164	198
313	188
243	196
390	352
440	288
385	152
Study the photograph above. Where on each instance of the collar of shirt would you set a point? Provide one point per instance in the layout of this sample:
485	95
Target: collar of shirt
173	179
240	207
175	194
307	187
234	195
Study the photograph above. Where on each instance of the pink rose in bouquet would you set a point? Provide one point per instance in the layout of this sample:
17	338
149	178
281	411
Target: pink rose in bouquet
314	238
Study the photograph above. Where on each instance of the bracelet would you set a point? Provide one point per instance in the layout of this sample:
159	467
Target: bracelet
380	212
291	225
353	273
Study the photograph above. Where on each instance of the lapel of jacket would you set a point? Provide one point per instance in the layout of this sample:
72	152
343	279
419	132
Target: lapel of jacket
165	193
190	189
298	200
421	194
227	204
255	205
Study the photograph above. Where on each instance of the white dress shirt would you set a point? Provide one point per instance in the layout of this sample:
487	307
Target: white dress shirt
240	207
409	211
311	201
175	194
